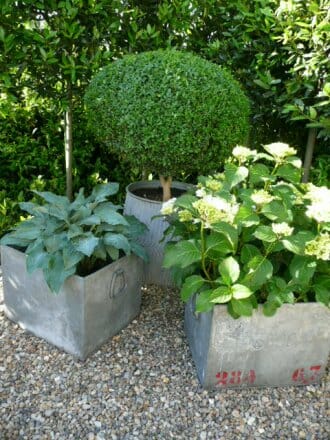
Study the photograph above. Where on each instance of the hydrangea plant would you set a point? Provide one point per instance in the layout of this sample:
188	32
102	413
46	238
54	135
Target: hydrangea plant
63	238
251	235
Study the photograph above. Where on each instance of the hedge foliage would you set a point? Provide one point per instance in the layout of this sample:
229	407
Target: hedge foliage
168	111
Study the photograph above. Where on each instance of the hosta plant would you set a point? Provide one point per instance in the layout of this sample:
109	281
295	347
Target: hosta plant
63	238
251	235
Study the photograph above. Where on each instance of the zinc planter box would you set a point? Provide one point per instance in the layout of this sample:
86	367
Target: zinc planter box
84	314
290	348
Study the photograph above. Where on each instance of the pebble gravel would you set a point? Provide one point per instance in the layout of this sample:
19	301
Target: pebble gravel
141	384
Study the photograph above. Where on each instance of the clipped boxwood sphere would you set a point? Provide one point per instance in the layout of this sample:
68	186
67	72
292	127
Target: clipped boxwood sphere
168	111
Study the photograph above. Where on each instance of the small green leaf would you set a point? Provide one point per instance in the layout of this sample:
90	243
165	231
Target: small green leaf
240	291
185	201
229	232
229	270
270	308
221	295
265	233
182	254
289	173
260	271
234	175
203	303
248	252
259	173
297	243
302	269
246	217
242	307
276	211
191	286
322	294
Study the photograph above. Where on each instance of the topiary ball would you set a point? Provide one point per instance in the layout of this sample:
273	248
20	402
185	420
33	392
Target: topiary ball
168	111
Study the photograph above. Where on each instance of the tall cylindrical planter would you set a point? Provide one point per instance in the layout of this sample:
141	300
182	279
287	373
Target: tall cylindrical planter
145	210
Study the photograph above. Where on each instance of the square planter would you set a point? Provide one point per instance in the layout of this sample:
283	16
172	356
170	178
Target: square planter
290	348
84	314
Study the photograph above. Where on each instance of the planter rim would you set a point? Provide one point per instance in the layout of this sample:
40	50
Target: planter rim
153	184
99	271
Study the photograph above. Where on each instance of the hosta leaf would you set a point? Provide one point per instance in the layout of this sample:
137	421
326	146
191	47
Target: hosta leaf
37	259
240	291
118	241
74	231
103	190
302	269
80	215
28	207
190	286
107	215
265	233
182	254
92	220
229	270
139	250
55	274
70	256
113	252
55	242
135	228
221	295
85	244
53	199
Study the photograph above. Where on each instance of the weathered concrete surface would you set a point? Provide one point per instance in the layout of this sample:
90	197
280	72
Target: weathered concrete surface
290	348
84	314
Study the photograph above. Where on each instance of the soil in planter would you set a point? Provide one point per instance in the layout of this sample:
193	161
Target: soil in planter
156	194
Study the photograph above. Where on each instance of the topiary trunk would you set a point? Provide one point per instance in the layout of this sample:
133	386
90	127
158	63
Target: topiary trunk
166	185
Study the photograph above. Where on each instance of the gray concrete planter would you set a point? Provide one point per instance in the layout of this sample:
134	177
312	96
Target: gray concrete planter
290	348
84	314
145	209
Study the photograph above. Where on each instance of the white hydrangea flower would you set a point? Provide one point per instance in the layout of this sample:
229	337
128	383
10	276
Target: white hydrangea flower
242	154
279	150
261	197
282	229
200	192
213	209
168	207
319	209
319	247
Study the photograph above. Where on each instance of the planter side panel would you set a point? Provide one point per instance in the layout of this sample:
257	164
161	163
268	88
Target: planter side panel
57	318
290	348
113	299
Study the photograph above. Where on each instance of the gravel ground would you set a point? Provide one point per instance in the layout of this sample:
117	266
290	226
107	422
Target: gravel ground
141	385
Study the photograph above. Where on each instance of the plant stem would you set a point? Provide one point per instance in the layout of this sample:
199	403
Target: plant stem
204	253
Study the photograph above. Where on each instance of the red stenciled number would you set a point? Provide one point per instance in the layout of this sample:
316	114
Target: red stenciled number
235	377
222	378
300	376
